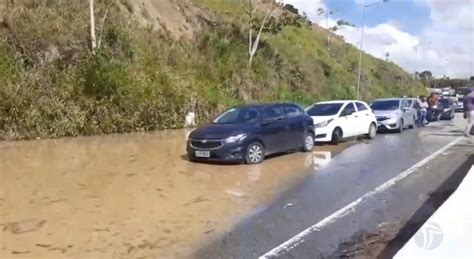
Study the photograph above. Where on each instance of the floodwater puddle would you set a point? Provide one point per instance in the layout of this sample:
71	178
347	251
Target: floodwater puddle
128	196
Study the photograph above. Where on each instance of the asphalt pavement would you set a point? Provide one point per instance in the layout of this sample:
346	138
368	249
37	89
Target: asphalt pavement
384	180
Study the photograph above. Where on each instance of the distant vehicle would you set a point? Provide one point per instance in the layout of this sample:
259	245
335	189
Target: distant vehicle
447	109
249	133
394	114
460	106
337	120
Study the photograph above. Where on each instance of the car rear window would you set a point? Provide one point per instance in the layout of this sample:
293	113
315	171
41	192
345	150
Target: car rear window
444	103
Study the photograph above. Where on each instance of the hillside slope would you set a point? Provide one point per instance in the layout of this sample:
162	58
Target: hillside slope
159	60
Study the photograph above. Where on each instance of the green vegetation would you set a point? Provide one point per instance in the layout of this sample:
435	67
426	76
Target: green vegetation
53	85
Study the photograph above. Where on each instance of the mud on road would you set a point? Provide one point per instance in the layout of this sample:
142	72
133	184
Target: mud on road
131	195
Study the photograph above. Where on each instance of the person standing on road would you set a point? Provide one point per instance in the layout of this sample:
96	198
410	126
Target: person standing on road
422	106
432	100
469	111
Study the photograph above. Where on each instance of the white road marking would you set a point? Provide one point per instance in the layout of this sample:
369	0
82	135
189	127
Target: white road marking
300	238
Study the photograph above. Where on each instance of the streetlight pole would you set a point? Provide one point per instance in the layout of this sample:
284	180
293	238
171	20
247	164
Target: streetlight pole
417	62
362	43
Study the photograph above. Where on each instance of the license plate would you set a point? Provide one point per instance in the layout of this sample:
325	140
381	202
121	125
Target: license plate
203	153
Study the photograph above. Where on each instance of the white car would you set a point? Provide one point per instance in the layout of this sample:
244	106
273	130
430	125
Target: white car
337	120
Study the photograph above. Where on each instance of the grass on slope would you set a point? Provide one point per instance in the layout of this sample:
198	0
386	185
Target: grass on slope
52	85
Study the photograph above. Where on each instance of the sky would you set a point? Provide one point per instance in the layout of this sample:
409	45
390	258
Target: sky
434	35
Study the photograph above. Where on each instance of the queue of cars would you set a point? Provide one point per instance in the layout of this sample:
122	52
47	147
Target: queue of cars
249	133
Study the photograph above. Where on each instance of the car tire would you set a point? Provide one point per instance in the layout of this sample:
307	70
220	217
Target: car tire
336	136
402	127
372	131
308	143
191	158
255	153
413	122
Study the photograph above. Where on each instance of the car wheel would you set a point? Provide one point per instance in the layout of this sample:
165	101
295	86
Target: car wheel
308	142
336	136
402	127
372	131
413	122
191	158
255	153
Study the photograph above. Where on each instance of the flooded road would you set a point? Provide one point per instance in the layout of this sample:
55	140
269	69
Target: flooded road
130	195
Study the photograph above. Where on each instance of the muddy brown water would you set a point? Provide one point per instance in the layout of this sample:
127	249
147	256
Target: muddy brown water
129	196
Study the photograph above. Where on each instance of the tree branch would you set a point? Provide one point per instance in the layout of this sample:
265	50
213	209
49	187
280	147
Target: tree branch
102	25
257	39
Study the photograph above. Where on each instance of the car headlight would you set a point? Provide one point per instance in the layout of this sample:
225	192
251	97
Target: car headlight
322	124
447	109
236	138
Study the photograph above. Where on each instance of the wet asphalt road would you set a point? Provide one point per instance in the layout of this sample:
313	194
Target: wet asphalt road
355	172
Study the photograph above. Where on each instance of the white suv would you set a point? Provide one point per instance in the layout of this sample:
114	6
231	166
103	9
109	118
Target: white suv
336	120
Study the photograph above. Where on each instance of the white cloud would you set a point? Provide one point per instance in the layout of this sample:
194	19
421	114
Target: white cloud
451	34
385	38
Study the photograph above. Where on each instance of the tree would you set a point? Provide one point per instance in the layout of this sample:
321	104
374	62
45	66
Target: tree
92	24
250	9
339	24
291	8
426	75
96	43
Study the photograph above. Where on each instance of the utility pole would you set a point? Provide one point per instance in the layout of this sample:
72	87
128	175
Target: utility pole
93	39
360	53
417	61
362	42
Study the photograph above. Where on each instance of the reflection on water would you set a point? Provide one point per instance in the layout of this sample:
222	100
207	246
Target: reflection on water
129	195
321	159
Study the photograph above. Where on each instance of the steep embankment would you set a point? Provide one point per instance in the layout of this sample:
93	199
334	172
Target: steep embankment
157	61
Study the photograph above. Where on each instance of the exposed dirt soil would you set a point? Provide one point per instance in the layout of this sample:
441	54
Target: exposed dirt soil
180	18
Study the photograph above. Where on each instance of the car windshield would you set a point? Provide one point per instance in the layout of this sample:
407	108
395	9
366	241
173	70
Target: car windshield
444	103
238	115
388	105
324	109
